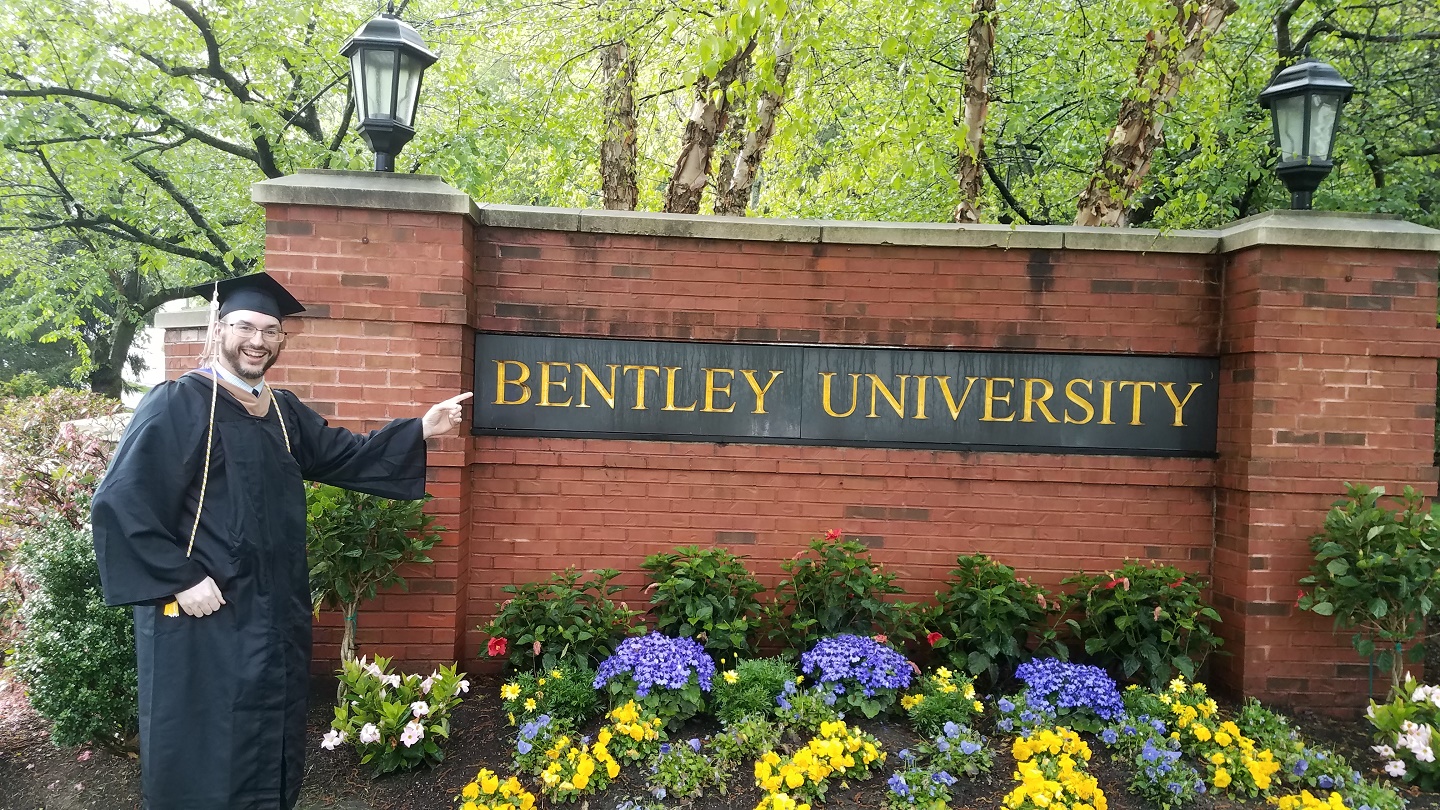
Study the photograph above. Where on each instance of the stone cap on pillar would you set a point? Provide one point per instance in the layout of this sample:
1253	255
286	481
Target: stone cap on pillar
387	191
1332	229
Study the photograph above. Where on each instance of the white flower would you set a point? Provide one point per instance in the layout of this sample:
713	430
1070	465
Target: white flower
1426	754
414	732
1385	751
1370	712
463	686
369	733
393	680
419	708
426	684
1395	768
332	740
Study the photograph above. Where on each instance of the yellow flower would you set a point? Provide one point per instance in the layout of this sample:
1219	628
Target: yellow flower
529	704
1201	732
979	707
1217	758
555	673
1222	778
731	676
489	782
1222	739
510	691
908	702
943	674
470	791
612	768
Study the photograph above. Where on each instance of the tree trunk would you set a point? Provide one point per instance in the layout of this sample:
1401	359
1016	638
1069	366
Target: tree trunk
734	196
1163	66
697	145
351	612
110	353
731	141
970	169
617	151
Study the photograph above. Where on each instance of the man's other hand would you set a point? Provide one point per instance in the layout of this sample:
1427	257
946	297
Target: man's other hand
445	416
201	600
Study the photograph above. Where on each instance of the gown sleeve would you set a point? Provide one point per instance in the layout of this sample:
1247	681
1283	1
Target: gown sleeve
389	462
136	510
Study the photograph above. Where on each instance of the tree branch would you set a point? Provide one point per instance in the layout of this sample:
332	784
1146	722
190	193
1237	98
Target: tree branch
162	180
1009	198
1282	28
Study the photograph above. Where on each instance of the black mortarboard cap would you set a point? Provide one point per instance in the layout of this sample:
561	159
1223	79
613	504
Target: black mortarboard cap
257	292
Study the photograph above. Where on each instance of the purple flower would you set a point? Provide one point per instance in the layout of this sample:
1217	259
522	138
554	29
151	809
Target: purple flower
658	660
1005	705
1325	782
1301	767
1073	686
968	747
695	745
850	659
943	778
1109	736
898	786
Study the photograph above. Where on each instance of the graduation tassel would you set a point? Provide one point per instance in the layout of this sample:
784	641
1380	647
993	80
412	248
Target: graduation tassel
207	358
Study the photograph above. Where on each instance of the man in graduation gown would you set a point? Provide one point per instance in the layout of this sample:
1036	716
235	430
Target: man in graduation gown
222	602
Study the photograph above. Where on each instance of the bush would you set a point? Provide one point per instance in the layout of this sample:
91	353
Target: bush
566	693
942	700
1405	730
870	675
1144	621
668	676
744	739
1376	571
835	589
355	544
705	594
76	656
560	621
986	616
683	771
750	689
394	721
49	472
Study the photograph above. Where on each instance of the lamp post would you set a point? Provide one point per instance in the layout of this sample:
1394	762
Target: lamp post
387	60
1304	102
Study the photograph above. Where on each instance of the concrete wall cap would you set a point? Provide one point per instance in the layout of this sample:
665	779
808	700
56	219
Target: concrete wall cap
418	193
190	318
1333	229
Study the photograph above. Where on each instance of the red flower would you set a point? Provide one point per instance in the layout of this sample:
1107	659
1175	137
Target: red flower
1112	583
833	534
881	638
497	646
933	638
1177	583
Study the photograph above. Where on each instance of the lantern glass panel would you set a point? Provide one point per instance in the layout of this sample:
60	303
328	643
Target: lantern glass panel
357	75
1290	127
379	75
1323	111
410	70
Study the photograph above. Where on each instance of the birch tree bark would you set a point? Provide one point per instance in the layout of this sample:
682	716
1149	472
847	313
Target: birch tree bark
970	168
1170	55
708	114
734	195
618	182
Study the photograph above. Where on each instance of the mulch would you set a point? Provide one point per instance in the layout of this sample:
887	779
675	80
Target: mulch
35	775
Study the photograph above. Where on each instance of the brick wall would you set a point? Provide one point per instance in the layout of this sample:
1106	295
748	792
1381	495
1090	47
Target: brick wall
1328	374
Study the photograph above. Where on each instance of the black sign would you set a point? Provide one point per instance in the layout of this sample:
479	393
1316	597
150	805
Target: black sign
844	395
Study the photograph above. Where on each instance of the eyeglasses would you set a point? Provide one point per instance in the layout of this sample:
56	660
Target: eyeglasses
246	331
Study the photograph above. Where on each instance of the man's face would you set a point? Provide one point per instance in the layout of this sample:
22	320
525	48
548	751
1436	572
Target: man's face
248	356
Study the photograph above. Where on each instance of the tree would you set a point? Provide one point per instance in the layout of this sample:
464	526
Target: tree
127	163
978	62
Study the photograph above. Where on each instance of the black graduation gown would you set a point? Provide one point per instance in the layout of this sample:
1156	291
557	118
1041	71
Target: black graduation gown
223	697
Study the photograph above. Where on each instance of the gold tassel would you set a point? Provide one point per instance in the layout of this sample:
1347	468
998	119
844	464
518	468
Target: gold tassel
172	609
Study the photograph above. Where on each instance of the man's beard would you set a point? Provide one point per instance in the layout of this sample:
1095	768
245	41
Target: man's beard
234	359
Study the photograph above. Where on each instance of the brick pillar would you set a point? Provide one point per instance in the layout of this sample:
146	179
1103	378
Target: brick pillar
383	264
1328	358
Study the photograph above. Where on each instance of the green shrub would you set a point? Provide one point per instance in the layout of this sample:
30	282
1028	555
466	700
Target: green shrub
76	656
706	594
750	689
562	620
939	698
395	722
1145	621
355	544
987	615
834	589
1376	571
565	693
744	740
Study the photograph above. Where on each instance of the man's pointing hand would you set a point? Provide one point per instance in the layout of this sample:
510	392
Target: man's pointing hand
445	416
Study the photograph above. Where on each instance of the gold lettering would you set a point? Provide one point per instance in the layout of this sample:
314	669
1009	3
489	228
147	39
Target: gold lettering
588	378
1040	403
640	383
501	381
920	396
1105	402
711	389
670	391
755	386
1135	405
876	386
1177	402
826	378
950	398
991	399
546	382
1079	400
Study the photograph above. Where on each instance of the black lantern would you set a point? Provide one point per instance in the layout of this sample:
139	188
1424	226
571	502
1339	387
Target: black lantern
387	59
1304	102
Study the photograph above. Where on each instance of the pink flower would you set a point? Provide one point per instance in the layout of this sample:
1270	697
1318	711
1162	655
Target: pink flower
427	684
332	740
1157	613
369	733
412	734
497	646
933	638
419	708
463	686
833	534
881	638
536	647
